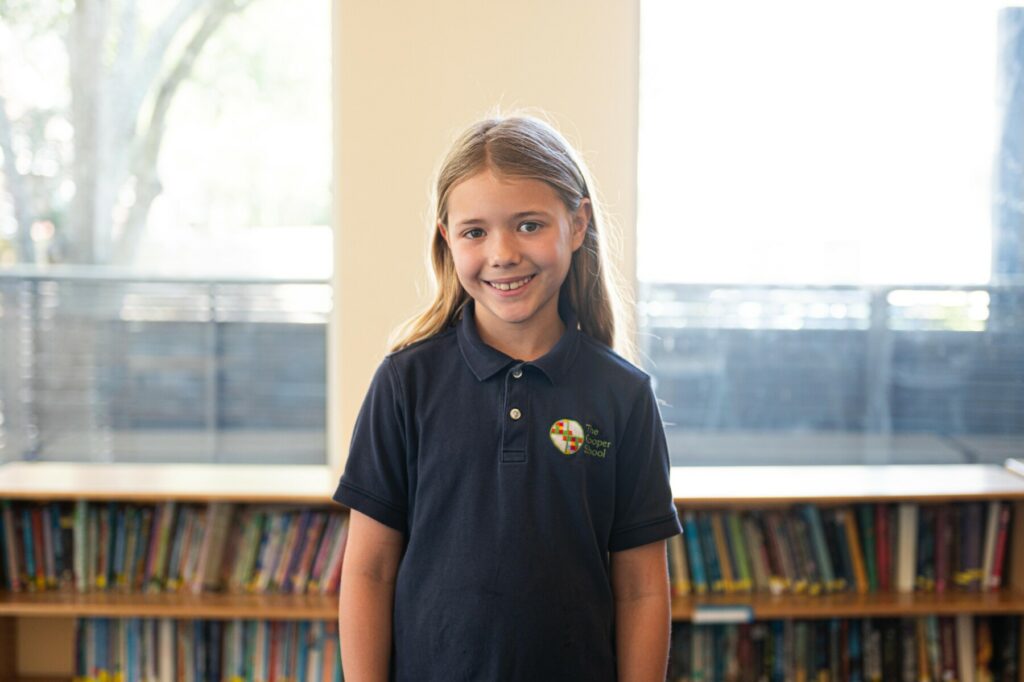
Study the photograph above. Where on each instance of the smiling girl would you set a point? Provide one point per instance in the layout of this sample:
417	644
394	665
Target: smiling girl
508	473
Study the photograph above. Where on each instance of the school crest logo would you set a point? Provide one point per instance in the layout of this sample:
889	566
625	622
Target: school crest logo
567	436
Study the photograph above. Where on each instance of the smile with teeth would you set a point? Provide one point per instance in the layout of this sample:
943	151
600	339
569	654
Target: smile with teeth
510	286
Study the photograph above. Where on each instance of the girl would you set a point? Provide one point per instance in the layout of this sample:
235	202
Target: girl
508	474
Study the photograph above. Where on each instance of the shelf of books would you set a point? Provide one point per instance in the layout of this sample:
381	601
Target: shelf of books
169	572
848	572
831	572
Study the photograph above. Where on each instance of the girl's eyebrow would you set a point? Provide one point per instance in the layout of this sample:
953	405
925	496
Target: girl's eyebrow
515	216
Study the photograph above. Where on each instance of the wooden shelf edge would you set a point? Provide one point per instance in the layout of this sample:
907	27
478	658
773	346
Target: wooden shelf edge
770	607
202	606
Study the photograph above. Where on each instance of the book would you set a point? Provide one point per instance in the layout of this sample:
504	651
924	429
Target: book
179	549
208	571
856	557
801	537
972	530
836	520
721	548
947	639
820	546
924	581
759	563
12	555
715	580
999	558
943	548
290	552
988	553
49	548
965	658
906	559
695	553
333	573
319	565
882	546
866	524
680	579
739	551
781	557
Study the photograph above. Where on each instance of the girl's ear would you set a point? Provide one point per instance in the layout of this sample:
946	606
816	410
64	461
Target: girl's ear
580	220
443	230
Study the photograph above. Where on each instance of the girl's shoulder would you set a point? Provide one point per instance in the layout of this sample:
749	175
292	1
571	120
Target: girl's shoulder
423	350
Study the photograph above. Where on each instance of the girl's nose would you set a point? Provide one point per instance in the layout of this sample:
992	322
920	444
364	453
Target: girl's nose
504	250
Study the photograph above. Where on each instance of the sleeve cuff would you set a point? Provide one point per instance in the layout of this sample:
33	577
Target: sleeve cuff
374	507
646	533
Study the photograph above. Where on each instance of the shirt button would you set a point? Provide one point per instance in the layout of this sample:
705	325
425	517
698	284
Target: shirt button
515	413
517	372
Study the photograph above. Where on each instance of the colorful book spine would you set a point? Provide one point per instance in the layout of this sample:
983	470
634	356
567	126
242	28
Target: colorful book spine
924	581
820	544
999	553
725	560
740	551
854	545
29	576
866	522
330	586
678	573
882	546
759	561
907	557
300	580
691	534
786	573
988	553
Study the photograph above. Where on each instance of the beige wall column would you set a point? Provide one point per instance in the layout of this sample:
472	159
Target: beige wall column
408	76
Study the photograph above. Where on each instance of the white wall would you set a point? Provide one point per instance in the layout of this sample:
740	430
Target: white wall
408	76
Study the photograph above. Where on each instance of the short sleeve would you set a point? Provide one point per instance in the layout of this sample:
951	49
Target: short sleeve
644	508
375	481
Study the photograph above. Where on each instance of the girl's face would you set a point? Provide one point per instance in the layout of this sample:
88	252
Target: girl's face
512	241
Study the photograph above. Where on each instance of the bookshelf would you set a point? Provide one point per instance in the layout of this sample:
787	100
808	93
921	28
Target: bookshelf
36	628
764	489
31	623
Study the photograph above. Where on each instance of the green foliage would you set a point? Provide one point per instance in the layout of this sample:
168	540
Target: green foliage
38	17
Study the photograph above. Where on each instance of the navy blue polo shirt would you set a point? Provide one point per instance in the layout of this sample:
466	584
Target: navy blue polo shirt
511	481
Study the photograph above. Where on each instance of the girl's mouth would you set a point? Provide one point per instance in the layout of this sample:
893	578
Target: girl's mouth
511	286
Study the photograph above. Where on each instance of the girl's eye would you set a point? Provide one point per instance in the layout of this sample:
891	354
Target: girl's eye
530	227
474	233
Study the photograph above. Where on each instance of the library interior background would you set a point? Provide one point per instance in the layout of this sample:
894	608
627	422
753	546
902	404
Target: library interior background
836	281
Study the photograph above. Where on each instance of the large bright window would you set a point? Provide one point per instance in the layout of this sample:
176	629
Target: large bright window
829	229
165	234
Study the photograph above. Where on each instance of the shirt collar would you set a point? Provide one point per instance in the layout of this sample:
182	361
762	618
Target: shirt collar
485	361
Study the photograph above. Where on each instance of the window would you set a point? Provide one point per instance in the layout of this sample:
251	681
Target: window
165	255
829	231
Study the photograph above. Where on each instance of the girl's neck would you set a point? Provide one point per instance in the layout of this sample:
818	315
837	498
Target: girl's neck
525	344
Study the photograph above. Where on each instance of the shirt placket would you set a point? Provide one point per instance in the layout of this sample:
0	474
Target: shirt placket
515	417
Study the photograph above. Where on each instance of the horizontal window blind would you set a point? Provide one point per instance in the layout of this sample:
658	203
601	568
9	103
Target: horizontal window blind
802	374
102	368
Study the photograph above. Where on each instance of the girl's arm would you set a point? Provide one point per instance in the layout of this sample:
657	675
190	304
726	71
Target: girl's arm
372	553
643	618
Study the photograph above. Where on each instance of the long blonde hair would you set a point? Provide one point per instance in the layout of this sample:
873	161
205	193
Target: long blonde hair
527	147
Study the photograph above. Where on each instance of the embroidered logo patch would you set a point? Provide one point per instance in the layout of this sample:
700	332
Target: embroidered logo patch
567	435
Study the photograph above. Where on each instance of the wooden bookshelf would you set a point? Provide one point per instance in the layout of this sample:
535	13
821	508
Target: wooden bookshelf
766	486
693	487
21	613
851	605
214	606
243	483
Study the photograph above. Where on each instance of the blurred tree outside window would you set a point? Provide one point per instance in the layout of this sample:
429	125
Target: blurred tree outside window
161	161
